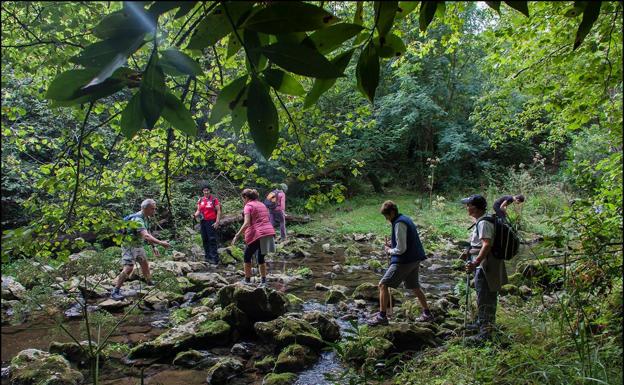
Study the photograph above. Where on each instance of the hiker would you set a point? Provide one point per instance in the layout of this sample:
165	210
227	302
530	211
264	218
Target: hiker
134	251
276	203
500	205
259	233
209	212
406	253
490	272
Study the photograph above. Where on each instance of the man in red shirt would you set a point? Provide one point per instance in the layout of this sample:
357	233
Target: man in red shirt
209	212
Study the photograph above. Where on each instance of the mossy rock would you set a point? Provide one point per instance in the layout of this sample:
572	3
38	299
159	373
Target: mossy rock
223	371
327	327
194	359
200	333
294	302
335	296
294	358
70	350
358	351
374	264
367	291
33	366
405	336
236	319
516	279
279	379
258	303
509	289
285	331
266	364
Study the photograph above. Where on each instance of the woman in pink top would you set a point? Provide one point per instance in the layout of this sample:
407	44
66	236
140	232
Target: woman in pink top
259	233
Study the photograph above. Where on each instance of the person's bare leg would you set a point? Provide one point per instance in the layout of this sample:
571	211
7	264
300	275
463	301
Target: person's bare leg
145	270
125	273
421	298
384	295
263	270
247	268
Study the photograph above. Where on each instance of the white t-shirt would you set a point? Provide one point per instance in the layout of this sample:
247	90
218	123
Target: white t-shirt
484	229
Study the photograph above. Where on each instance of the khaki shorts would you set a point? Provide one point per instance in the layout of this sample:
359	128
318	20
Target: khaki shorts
399	273
131	254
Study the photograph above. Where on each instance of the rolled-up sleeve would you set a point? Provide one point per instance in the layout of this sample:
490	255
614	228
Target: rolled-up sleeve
400	234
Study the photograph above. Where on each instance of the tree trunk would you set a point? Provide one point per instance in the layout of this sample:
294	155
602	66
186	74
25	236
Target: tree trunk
375	182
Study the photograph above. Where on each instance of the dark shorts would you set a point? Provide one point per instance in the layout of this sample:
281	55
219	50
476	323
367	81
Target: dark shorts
253	249
398	273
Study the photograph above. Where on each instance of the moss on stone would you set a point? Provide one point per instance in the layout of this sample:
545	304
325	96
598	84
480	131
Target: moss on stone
266	364
279	379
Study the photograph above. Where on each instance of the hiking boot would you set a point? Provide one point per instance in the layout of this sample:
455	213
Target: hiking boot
246	282
425	317
377	320
116	295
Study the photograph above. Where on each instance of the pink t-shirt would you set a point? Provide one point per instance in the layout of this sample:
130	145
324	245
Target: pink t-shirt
281	201
260	225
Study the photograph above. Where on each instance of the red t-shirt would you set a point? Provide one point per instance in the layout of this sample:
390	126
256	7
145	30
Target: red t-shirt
206	208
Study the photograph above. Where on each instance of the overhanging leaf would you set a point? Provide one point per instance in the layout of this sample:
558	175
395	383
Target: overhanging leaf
389	46
125	23
180	61
427	11
495	5
405	7
234	44
159	7
301	60
253	41
262	117
283	82
386	11
176	113
100	54
227	100
69	88
328	39
577	9
292	37
440	9
520	6
292	16
132	119
185	8
152	88
367	71
217	25
590	15
358	17
320	86
239	113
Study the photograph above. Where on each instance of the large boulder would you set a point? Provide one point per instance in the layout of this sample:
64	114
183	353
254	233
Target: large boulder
294	358
405	336
204	280
199	332
32	366
71	350
194	359
11	289
285	331
224	370
327	327
335	296
237	319
367	291
161	300
259	304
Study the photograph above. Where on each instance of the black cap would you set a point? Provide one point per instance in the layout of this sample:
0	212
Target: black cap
476	200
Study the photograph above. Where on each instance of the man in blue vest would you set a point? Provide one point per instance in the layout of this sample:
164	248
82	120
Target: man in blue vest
406	253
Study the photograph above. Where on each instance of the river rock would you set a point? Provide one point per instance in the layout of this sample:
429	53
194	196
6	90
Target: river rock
11	289
319	286
509	289
198	332
376	347
236	318
161	300
334	296
294	358
258	303
405	336
337	269
327	248
525	291
243	349
33	366
194	359
367	291
266	364
285	331
113	306
224	370
178	256
279	379
327	327
204	280
174	267
71	351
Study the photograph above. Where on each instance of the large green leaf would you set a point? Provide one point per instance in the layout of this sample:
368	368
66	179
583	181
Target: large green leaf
389	46
217	25
283	82
69	88
292	16
185	8
100	54
227	100
358	17
405	7
292	37
159	7
239	113
328	39
590	15
367	71
180	61
320	86
125	23
577	9
301	60
234	44
520	6
262	117
385	11
132	118
176	113
253	41
427	11
152	92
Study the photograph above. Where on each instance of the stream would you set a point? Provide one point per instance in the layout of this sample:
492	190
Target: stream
436	277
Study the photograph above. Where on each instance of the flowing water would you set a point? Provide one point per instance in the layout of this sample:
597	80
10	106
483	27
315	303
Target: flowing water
436	277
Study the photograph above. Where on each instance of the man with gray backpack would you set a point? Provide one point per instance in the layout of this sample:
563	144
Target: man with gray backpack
491	242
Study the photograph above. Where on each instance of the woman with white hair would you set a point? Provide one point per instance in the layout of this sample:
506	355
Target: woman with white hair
133	250
276	203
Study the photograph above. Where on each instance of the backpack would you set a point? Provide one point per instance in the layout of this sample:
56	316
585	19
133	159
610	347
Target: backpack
271	200
506	241
127	218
